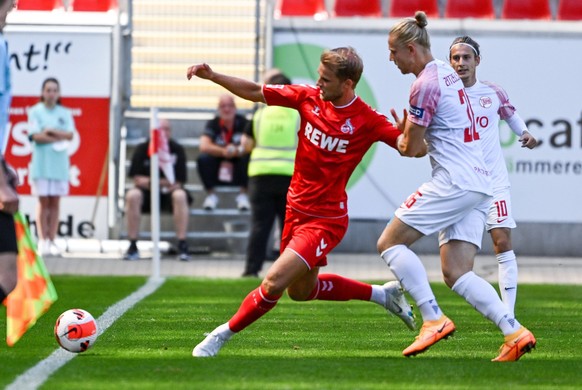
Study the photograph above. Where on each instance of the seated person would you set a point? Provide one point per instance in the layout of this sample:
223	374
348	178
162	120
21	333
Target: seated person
173	197
222	159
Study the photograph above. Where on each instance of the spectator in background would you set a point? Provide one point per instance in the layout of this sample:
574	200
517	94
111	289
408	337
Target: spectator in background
51	127
173	197
272	138
5	86
223	160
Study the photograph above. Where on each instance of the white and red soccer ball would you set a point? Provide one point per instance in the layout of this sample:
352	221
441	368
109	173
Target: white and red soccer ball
76	330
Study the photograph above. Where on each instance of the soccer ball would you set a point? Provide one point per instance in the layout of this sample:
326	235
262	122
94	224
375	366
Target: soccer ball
76	330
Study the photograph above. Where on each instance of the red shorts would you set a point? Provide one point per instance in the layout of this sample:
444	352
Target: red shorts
312	238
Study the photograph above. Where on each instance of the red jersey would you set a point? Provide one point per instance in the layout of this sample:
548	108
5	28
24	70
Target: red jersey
331	143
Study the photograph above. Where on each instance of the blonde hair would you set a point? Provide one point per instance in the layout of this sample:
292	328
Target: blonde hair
344	62
412	30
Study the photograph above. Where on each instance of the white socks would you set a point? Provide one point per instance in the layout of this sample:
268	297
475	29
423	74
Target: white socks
378	295
483	297
508	279
224	331
410	271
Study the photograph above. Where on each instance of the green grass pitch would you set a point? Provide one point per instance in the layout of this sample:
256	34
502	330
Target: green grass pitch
298	345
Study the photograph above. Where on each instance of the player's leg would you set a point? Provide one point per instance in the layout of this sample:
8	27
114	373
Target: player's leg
499	224
288	268
434	206
507	265
407	267
459	244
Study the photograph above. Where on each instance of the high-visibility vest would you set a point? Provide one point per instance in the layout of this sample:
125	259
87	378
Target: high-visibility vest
275	133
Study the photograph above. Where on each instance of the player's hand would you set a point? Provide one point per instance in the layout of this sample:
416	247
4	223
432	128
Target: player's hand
201	70
399	122
527	140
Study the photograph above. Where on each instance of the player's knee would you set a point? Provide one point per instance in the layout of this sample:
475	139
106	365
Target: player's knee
502	245
381	245
297	294
271	288
133	196
179	196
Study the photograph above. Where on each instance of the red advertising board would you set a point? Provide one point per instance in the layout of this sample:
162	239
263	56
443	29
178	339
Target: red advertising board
87	151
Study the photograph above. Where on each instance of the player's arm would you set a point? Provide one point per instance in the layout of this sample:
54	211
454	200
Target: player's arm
411	143
519	127
242	88
8	197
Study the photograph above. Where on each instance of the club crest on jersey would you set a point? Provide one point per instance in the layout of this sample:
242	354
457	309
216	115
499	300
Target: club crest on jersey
416	111
347	128
485	101
315	110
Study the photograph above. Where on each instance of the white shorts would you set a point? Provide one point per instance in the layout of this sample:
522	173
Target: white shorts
500	215
441	207
49	187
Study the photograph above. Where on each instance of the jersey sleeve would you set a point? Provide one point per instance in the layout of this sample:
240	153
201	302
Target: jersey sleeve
424	96
506	109
286	95
387	132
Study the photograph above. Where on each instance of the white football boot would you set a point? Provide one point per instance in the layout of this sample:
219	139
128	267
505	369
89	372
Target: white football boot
209	346
397	304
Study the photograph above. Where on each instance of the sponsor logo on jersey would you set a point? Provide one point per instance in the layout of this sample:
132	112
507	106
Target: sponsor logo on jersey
325	141
485	101
416	111
315	110
347	127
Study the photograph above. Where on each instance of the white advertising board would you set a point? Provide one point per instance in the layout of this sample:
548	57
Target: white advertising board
540	72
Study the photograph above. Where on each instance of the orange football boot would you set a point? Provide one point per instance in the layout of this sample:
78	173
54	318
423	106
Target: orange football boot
430	333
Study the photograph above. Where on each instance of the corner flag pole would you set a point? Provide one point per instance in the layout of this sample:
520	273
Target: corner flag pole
155	193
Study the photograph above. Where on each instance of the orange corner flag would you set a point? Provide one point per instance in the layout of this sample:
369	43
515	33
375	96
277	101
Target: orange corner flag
34	292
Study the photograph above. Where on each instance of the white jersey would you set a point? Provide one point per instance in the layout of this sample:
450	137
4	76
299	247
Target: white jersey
490	102
439	102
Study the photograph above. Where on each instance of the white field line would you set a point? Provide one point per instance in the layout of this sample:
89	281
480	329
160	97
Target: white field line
37	375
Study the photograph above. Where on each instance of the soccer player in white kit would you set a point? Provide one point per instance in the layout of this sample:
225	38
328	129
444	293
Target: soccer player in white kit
454	202
490	103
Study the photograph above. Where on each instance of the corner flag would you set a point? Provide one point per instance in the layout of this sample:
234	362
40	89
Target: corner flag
34	292
159	144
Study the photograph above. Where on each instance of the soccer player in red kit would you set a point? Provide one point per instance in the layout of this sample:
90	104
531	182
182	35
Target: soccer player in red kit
337	129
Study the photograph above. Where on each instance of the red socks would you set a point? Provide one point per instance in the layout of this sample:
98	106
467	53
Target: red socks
331	287
253	307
